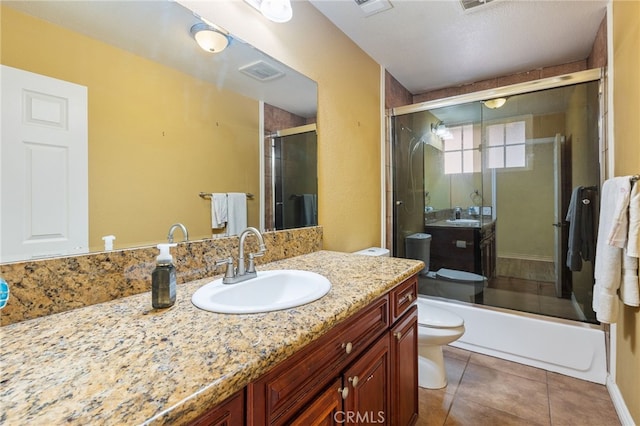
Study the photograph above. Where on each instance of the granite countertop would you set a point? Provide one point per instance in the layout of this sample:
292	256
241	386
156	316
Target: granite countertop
482	223
122	362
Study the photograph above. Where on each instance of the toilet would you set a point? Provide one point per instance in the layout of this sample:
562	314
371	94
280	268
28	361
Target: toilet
436	328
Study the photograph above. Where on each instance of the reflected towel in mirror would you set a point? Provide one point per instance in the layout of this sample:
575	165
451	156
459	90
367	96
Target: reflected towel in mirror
236	212
218	210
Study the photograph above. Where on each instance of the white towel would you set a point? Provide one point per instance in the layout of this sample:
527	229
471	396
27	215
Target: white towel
619	221
633	240
608	264
218	210
629	289
236	212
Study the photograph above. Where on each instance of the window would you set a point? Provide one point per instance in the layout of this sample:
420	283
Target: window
506	145
461	150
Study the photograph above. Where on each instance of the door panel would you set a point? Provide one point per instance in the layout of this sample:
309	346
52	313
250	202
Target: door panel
44	166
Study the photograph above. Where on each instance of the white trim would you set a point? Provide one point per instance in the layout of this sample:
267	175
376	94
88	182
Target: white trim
612	349
261	164
383	166
624	415
610	113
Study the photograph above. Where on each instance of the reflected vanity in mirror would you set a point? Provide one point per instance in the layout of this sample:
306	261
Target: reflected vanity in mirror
165	120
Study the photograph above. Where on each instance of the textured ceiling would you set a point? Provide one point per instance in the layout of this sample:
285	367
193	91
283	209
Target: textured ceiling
432	44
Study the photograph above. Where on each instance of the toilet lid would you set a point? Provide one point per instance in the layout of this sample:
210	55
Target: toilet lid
453	275
436	317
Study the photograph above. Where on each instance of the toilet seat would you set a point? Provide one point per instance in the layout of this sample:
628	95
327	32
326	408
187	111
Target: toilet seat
460	276
438	318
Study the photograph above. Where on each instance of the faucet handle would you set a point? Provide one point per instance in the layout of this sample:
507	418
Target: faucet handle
252	265
230	272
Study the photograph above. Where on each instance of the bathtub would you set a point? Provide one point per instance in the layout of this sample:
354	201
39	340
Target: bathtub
566	347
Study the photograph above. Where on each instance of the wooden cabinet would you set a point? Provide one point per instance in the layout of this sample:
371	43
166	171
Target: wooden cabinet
363	371
228	413
404	369
463	249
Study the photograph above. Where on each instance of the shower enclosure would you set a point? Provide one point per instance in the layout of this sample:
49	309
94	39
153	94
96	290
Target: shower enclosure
294	183
511	169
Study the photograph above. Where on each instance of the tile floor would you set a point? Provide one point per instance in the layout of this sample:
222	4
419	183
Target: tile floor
484	390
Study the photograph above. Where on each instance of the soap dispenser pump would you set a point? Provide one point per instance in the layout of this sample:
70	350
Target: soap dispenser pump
163	279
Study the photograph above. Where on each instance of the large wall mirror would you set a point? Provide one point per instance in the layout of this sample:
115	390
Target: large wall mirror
165	120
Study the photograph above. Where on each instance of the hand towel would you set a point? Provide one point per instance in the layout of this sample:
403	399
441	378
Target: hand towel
236	212
608	264
218	210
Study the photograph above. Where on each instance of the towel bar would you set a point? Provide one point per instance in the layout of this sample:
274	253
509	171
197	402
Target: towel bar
207	195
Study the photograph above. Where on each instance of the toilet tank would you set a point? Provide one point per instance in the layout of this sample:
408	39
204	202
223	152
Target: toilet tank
373	251
418	246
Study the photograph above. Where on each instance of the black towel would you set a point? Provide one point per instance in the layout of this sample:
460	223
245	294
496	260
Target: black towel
581	233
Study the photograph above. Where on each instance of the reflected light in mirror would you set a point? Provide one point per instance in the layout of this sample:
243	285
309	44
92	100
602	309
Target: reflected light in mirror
495	103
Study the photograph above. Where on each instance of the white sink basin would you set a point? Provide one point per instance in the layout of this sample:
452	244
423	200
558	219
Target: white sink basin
464	221
269	291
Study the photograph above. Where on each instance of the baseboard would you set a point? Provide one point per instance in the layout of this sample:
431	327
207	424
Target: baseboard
624	415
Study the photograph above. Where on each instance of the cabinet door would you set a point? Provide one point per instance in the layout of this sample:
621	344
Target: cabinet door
326	409
228	413
404	369
368	399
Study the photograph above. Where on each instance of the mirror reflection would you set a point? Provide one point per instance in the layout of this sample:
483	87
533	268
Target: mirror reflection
164	121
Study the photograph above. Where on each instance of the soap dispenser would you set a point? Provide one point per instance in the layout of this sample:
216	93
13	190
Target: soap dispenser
163	279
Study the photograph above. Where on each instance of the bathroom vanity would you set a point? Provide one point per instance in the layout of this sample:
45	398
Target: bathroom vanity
122	362
463	247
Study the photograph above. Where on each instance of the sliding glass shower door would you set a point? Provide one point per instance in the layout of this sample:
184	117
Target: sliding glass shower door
514	167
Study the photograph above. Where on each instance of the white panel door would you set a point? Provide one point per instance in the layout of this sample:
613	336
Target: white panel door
44	167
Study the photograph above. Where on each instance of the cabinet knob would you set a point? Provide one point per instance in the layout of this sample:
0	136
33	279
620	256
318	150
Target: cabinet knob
398	335
344	392
354	381
347	347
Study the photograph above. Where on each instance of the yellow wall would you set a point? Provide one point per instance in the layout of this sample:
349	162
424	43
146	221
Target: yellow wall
349	112
626	107
157	137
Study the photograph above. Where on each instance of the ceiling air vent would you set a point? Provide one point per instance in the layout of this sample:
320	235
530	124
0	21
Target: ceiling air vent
262	71
371	7
471	4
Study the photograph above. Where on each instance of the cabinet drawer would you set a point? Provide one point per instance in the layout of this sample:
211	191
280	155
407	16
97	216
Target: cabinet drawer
289	386
402	297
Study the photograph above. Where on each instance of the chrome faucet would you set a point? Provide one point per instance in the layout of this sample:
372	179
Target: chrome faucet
173	228
243	272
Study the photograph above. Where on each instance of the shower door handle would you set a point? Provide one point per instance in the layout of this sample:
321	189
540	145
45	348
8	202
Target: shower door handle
399	203
558	225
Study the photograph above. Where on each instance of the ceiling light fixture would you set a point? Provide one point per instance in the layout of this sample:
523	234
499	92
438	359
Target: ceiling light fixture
274	10
209	38
494	103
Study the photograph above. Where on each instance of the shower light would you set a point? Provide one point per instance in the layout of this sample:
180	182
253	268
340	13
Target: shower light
494	103
209	38
441	131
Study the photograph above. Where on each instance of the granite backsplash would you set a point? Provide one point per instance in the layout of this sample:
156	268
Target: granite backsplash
48	286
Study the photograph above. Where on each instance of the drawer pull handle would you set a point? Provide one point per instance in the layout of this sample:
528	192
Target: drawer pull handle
354	381
398	335
407	298
344	392
348	347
